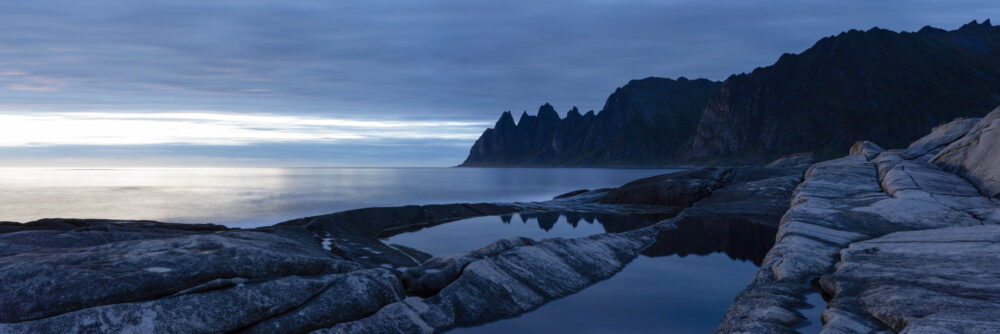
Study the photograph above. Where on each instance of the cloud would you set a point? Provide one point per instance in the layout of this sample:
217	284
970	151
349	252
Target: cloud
395	60
405	59
31	88
207	128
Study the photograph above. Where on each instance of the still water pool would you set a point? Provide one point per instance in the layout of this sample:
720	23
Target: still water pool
683	283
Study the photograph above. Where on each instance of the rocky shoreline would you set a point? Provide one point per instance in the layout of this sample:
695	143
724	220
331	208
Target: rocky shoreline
899	240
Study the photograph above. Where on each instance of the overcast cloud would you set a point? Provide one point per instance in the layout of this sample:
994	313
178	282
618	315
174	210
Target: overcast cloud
384	61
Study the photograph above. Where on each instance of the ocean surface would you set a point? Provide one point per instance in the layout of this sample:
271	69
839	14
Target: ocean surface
250	197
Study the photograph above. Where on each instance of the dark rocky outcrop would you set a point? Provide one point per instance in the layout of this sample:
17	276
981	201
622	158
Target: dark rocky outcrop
675	190
644	122
879	85
64	224
884	86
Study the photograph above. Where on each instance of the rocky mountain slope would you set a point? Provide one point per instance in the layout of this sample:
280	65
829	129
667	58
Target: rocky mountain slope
646	120
878	85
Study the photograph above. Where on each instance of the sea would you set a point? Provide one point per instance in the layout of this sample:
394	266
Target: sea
253	197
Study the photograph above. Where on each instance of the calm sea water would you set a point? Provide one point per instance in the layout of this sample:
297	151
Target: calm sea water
683	283
248	197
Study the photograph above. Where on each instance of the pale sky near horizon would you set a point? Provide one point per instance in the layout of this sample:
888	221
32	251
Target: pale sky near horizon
366	83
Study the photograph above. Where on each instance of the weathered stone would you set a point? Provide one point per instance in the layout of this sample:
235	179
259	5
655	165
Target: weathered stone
295	303
930	281
866	148
976	156
942	135
509	283
843	201
794	160
571	193
760	195
44	282
377	221
678	190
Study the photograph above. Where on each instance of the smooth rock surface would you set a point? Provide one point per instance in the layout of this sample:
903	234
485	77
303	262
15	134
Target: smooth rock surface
930	281
868	194
976	156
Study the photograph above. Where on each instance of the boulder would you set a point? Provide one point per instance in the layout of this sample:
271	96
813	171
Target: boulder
866	149
794	160
677	190
942	135
976	155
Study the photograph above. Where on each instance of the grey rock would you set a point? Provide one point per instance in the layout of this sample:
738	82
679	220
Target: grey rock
571	193
434	274
760	195
930	281
976	155
66	224
263	305
676	190
939	137
794	160
512	282
347	297
379	221
866	148
45	282
843	201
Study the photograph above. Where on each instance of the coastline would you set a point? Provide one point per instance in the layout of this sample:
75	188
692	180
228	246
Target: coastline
874	207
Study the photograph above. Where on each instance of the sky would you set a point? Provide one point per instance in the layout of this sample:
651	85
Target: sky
367	83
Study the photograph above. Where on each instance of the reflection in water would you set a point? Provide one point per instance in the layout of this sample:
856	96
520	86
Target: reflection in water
612	223
738	238
473	233
662	291
813	313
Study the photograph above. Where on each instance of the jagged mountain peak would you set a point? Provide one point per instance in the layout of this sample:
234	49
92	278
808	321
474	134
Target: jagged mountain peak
547	114
665	108
573	113
506	120
974	25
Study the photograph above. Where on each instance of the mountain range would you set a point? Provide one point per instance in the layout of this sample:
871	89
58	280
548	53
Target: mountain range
879	85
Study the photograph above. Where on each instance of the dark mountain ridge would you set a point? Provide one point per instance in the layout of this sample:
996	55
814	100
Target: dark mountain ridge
646	120
880	85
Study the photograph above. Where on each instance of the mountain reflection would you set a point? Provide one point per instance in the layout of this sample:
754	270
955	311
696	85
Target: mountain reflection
739	238
612	223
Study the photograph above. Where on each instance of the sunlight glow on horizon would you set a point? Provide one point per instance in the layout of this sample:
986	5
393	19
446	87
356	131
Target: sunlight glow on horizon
213	128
